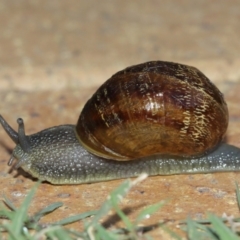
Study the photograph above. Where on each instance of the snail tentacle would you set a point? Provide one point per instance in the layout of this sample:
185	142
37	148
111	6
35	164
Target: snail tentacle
9	130
23	144
23	139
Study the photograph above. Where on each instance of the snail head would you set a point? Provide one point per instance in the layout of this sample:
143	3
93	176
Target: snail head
23	146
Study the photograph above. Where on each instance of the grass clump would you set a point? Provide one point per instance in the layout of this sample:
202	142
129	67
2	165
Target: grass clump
17	225
20	226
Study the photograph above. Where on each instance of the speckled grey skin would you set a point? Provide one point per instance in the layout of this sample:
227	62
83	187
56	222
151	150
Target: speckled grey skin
56	156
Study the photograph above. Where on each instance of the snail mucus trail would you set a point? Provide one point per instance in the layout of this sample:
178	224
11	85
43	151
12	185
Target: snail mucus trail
157	117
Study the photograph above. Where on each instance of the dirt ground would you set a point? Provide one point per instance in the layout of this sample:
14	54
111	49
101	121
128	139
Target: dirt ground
55	54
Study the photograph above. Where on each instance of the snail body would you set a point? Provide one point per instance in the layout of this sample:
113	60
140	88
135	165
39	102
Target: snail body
158	117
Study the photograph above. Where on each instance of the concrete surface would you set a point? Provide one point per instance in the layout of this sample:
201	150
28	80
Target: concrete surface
53	56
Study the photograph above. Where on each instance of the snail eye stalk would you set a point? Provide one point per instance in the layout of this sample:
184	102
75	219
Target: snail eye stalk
9	130
22	138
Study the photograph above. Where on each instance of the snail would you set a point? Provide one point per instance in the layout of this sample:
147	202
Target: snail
157	117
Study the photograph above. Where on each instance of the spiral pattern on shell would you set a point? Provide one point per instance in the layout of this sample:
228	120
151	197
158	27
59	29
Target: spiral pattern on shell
153	108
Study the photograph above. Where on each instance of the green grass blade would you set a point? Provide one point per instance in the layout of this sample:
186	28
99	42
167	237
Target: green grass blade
21	213
49	231
9	203
50	208
58	234
120	192
149	210
12	234
171	233
75	218
198	231
5	213
76	234
191	231
114	199
103	234
221	229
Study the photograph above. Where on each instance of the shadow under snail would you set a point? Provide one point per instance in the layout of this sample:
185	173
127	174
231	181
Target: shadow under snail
157	117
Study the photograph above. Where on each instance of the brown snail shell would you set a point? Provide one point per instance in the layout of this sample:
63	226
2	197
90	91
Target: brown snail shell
153	108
